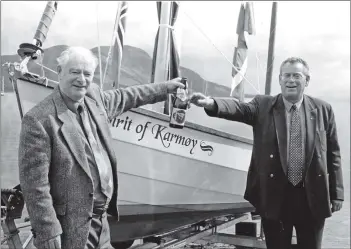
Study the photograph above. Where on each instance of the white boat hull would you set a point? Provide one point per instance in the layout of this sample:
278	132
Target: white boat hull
165	174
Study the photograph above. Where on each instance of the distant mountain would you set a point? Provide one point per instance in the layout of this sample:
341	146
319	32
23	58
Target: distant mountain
135	70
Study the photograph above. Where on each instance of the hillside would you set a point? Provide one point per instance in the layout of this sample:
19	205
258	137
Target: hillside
135	69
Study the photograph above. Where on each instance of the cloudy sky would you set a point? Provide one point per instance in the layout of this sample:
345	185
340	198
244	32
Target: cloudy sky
317	31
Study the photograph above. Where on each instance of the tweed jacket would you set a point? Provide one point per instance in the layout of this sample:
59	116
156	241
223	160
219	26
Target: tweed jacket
53	168
267	174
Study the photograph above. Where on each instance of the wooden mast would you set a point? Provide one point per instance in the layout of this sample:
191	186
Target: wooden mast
162	52
270	60
2	86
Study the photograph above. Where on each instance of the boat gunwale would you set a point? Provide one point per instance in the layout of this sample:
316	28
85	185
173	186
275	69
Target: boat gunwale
164	117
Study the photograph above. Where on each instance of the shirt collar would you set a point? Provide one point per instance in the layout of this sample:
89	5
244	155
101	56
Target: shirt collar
288	104
72	105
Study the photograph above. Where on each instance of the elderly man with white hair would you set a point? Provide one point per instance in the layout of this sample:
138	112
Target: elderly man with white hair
67	165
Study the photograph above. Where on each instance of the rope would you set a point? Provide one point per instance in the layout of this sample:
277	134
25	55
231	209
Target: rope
166	26
41	64
52	81
106	65
235	68
42	68
46	78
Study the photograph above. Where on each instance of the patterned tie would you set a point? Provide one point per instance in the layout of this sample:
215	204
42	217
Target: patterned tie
105	178
296	164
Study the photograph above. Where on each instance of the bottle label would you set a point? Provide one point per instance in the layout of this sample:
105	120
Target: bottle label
178	116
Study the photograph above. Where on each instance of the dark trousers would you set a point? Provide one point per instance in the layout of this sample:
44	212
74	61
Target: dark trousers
99	232
295	213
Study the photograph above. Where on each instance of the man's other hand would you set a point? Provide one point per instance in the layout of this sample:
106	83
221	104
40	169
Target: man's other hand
336	205
201	100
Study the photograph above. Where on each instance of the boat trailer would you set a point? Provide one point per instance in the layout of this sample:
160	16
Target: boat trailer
205	232
246	228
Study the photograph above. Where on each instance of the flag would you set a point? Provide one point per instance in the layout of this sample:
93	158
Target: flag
153	66
174	68
172	54
173	63
246	25
116	50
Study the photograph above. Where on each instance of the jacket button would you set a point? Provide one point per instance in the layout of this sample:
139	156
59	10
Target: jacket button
271	175
271	156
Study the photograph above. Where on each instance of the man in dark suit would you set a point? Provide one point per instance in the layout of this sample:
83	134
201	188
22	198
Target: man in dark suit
67	165
295	175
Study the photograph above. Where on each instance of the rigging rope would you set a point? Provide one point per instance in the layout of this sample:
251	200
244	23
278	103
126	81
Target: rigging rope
235	68
42	68
41	64
46	78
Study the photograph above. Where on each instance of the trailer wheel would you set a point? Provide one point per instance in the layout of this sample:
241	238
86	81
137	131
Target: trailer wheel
122	244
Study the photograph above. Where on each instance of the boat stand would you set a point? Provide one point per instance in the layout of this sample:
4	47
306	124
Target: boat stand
12	204
248	234
207	231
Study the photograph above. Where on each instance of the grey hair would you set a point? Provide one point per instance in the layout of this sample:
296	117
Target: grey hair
66	55
292	60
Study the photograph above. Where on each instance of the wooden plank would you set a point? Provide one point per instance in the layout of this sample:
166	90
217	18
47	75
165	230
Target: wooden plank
236	240
240	240
178	239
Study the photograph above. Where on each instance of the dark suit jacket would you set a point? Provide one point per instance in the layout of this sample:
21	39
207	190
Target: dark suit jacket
54	171
267	174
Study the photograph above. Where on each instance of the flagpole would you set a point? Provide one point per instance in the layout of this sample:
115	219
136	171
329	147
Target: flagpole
162	52
270	59
98	40
2	86
173	66
115	27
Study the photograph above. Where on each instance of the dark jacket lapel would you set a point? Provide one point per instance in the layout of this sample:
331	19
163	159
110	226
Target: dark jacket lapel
311	125
281	129
70	133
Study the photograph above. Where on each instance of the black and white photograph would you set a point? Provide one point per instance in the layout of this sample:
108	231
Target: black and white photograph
175	124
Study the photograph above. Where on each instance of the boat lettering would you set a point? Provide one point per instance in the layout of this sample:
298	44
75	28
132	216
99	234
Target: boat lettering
168	137
141	128
206	147
146	130
117	121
